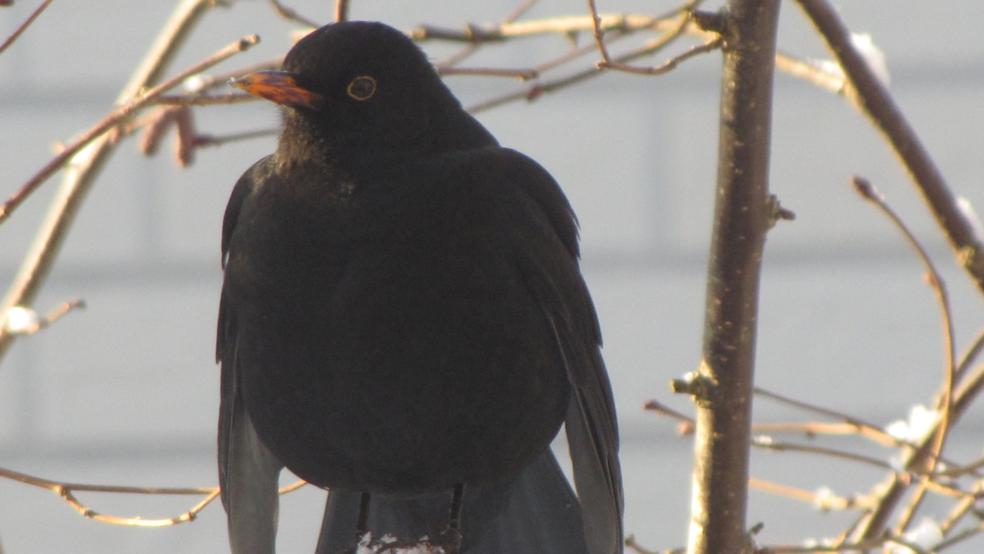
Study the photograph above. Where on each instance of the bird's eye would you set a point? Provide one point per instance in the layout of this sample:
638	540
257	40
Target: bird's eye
361	88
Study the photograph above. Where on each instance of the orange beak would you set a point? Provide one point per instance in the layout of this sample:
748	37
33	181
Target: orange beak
280	87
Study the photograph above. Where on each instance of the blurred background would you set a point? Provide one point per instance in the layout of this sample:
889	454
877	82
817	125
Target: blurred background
126	392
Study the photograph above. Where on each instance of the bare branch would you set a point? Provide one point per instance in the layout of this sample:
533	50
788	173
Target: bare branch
86	163
968	357
868	192
562	25
67	492
686	14
341	10
768	443
877	104
741	220
470	49
829	502
858	546
24	321
632	543
959	537
537	90
668	65
524	74
866	429
812	72
204	100
116	117
291	14
23	26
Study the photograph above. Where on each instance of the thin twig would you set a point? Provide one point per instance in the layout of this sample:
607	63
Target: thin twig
205	82
67	492
826	502
537	90
868	430
960	470
812	428
523	74
471	48
578	52
864	545
562	25
519	11
632	543
812	72
341	10
599	35
23	26
959	537
654	406
768	443
86	163
116	117
957	513
39	323
134	521
609	23
686	13
670	64
968	357
200	100
868	192
291	14
877	103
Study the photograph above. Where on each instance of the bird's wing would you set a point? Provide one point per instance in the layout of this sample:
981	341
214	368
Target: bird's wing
544	239
248	471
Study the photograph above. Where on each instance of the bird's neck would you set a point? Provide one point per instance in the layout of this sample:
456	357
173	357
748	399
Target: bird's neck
446	130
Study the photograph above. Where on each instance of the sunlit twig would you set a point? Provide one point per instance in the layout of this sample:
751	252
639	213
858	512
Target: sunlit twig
116	117
291	14
877	103
38	323
23	26
341	10
868	192
67	492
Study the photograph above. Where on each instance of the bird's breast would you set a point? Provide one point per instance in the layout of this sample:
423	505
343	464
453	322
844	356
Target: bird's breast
396	330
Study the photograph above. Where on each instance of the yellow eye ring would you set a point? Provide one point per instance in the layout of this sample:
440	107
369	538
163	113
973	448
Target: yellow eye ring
361	88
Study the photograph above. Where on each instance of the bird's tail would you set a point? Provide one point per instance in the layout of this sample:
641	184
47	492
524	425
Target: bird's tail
536	513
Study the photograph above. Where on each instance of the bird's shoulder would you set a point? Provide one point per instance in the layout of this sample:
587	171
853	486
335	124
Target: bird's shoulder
506	180
244	188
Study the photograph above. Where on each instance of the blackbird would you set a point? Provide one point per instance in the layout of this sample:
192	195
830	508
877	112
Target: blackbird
404	322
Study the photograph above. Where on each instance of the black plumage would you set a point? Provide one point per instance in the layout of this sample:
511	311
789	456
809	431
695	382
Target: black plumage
403	312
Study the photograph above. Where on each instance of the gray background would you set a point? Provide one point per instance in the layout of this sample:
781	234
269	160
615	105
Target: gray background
126	392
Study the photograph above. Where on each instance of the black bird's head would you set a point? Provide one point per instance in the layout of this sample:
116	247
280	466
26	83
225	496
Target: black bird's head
358	86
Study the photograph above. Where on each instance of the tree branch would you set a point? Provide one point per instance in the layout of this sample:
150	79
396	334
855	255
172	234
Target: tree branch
876	102
116	117
25	321
724	380
23	26
341	10
291	14
85	164
935	446
67	492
